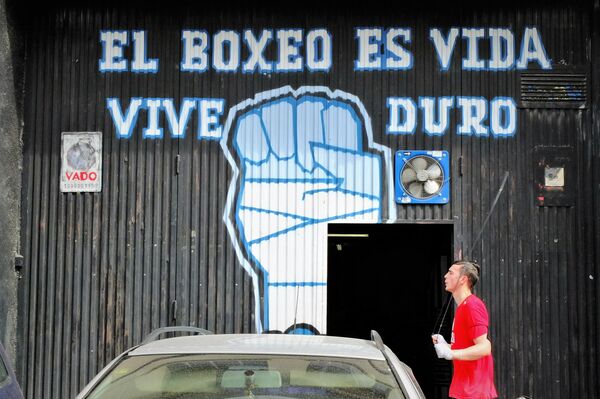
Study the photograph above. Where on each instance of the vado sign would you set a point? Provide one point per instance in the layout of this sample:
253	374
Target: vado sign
81	168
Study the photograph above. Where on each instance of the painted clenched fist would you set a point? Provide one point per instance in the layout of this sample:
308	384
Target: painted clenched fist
301	159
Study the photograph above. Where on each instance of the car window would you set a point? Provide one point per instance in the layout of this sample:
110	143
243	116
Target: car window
248	376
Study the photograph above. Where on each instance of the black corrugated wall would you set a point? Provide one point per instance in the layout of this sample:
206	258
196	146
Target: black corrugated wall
104	269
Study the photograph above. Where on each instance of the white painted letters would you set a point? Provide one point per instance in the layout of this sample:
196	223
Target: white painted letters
195	44
112	51
226	51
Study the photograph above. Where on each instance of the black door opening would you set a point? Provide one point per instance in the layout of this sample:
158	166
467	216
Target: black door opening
389	278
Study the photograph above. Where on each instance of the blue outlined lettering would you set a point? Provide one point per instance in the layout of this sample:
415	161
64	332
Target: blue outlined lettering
178	123
210	111
472	62
503	109
397	57
230	63
405	124
124	124
444	48
369	53
195	47
289	41
140	63
474	113
318	50
502	49
532	50
112	51
153	130
427	105
256	47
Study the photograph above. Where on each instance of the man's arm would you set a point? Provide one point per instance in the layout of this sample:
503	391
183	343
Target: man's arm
482	347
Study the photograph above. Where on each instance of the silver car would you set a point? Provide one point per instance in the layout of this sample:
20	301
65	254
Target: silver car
266	366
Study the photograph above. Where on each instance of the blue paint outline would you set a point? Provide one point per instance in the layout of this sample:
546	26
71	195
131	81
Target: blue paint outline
297	44
378	42
311	222
470	40
272	212
298	284
386	55
354	116
492	47
148	108
445	43
520	60
293	103
199	134
122	57
253	51
312	100
120	110
242	236
207	47
145	55
232	50
292	180
330	55
256	113
439	110
177	115
508	118
482	121
403	133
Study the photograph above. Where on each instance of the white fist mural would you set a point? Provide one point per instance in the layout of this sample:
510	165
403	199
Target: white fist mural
301	159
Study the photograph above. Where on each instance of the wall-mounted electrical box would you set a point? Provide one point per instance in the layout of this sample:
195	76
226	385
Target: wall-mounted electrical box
555	176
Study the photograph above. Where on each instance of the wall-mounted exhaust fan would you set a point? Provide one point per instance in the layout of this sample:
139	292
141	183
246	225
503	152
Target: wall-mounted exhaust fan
422	177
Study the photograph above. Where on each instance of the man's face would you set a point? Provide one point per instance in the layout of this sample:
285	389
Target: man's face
453	279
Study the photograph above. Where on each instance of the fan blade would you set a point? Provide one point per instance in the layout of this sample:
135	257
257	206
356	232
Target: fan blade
434	171
431	187
408	175
416	189
419	163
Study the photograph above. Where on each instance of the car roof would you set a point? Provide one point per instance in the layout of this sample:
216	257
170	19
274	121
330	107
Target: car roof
273	344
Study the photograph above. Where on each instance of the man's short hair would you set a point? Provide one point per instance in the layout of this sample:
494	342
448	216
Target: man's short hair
470	269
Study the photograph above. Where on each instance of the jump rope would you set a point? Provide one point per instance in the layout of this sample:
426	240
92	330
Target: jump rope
469	254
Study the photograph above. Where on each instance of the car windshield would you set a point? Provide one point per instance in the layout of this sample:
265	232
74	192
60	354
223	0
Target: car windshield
248	376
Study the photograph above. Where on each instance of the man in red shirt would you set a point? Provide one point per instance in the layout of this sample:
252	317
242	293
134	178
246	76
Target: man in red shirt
471	350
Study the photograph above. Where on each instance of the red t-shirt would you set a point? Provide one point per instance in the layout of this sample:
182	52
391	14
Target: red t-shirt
472	379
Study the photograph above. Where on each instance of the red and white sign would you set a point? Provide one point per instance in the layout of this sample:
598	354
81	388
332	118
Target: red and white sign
81	167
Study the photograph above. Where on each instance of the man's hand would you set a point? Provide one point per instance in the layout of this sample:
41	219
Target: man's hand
441	347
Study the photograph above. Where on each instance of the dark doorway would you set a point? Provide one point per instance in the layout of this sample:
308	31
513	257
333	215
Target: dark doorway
389	278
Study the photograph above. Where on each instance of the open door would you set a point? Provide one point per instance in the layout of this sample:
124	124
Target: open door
389	278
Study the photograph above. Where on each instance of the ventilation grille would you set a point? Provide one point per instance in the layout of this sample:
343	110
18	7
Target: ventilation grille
553	90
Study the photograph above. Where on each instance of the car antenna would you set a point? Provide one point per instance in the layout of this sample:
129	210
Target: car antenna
470	252
296	310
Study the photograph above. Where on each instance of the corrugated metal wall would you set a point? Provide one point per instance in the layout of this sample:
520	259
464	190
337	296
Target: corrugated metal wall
151	249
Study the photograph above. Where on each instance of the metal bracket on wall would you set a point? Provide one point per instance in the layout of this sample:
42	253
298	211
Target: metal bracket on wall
174	310
19	264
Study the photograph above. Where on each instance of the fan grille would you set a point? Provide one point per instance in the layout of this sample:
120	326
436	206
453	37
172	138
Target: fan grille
422	177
